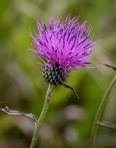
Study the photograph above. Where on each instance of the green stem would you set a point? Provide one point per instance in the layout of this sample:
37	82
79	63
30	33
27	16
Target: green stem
99	112
41	117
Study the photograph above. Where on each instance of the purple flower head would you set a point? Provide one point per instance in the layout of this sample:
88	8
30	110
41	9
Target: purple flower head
65	46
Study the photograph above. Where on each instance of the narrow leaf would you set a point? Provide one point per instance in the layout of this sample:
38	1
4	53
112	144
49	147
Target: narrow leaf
17	113
67	86
107	124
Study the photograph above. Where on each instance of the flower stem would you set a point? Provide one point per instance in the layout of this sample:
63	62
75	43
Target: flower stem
99	112
41	117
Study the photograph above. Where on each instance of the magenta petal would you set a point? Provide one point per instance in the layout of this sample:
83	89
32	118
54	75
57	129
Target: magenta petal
64	43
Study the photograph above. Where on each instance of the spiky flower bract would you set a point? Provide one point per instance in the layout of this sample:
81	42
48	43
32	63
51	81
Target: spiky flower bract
65	46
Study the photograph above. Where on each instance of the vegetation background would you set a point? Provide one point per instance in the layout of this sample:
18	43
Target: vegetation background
69	121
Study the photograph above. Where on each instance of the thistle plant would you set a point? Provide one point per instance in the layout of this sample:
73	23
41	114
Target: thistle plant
62	47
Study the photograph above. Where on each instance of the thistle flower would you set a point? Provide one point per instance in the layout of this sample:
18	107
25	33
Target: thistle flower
63	47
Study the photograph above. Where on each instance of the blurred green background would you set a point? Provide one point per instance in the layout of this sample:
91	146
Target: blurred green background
69	121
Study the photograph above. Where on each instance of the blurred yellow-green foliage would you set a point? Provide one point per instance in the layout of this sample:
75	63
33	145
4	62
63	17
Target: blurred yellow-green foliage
69	121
